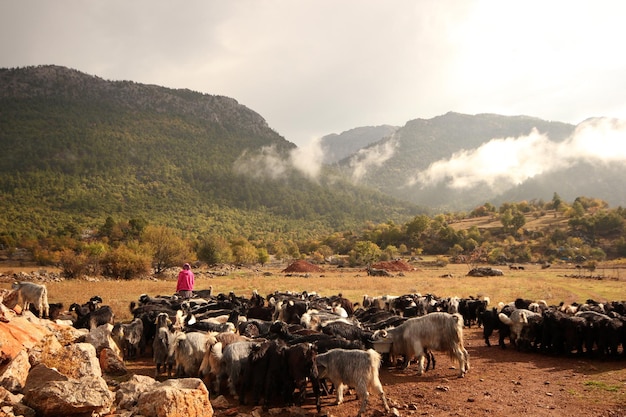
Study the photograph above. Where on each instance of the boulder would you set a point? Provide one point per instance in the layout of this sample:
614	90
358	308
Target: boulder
11	405
19	334
100	338
128	392
84	360
13	377
186	397
111	364
50	393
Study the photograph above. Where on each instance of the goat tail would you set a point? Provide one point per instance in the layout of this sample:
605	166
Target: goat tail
505	319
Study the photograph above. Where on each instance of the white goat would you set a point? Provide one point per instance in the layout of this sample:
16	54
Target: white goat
31	293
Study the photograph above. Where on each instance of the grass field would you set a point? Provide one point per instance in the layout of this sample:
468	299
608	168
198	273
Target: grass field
560	283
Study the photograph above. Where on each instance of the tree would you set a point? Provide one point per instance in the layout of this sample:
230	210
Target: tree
166	247
214	249
556	201
244	252
263	256
512	220
364	252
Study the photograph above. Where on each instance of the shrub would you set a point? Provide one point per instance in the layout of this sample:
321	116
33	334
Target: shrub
73	265
125	263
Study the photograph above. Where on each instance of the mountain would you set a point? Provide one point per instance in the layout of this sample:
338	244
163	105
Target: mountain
78	149
339	146
470	148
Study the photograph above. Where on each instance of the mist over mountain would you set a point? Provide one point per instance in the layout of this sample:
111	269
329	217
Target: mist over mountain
456	161
339	146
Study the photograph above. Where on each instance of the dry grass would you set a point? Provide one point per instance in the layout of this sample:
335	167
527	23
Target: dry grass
550	219
554	285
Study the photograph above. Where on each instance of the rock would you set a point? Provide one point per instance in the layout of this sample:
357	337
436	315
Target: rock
13	378
100	338
111	364
16	410
10	405
220	402
128	392
20	334
176	398
78	360
48	347
51	393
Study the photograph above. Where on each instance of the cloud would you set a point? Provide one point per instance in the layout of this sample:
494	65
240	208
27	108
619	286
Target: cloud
266	164
503	163
269	163
308	158
373	156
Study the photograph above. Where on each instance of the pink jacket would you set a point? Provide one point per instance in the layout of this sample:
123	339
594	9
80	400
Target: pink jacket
186	280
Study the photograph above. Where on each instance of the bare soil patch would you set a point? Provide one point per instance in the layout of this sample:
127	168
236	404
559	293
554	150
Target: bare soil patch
303	266
397	265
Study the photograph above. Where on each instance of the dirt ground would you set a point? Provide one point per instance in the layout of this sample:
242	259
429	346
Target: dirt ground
499	383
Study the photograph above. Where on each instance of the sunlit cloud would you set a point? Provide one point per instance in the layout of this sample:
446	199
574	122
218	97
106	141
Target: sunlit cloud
503	163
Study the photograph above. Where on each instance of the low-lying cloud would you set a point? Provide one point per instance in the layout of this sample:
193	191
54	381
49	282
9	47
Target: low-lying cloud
373	156
269	163
506	162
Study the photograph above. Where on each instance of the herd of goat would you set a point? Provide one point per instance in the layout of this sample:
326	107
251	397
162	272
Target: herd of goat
267	350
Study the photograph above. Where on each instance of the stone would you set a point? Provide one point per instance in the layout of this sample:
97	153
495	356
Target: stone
51	393
186	397
19	334
111	364
128	392
13	378
100	338
220	402
79	360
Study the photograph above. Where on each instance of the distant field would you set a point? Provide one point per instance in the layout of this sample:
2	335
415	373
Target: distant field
550	219
558	283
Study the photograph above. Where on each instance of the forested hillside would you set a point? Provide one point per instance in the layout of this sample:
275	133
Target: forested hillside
78	149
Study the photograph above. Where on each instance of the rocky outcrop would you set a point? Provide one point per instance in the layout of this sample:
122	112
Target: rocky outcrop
47	369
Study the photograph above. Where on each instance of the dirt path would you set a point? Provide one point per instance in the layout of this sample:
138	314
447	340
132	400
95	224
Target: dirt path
500	383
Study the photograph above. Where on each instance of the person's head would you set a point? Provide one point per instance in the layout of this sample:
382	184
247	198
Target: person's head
186	266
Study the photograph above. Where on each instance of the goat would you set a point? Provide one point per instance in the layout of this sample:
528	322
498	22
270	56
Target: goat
516	321
188	350
215	344
265	373
435	331
355	368
161	345
31	293
348	331
129	338
93	319
232	361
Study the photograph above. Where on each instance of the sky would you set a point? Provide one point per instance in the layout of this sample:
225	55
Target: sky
315	67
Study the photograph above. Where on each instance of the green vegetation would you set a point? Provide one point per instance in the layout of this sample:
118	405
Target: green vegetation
131	248
121	179
603	386
78	150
